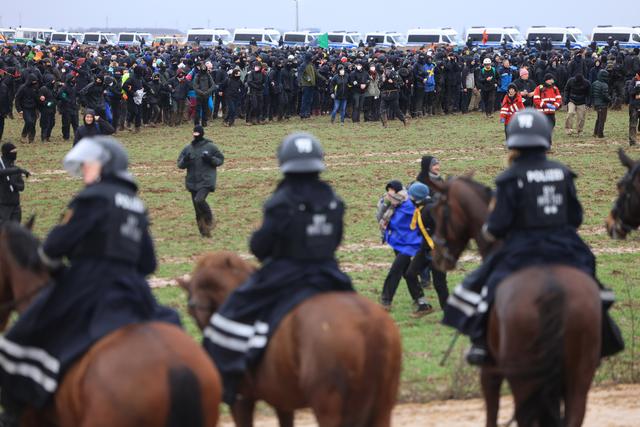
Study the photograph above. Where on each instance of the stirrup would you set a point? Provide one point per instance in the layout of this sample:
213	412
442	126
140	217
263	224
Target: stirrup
478	355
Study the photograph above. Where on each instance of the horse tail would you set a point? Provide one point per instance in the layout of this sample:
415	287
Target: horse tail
542	406
185	400
381	370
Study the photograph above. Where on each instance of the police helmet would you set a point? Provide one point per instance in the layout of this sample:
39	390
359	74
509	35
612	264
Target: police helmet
102	149
301	153
529	128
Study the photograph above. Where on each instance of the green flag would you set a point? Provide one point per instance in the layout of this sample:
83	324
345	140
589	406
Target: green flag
323	41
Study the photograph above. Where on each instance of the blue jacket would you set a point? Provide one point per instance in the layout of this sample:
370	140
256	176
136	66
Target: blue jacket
399	234
430	80
506	77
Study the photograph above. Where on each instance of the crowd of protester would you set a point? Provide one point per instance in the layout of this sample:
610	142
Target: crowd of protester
116	89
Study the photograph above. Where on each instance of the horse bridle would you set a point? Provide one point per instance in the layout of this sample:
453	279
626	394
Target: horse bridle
443	243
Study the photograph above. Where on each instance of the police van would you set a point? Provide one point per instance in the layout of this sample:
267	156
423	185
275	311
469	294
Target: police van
208	36
264	37
559	36
385	39
627	37
341	39
134	39
61	38
486	37
433	36
298	38
7	35
37	35
99	38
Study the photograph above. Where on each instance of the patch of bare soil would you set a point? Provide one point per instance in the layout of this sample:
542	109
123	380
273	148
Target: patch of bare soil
616	406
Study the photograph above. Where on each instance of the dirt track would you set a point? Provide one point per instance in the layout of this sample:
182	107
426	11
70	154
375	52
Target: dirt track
616	406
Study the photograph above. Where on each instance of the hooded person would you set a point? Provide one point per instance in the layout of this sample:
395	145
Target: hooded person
104	236
92	125
201	158
11	184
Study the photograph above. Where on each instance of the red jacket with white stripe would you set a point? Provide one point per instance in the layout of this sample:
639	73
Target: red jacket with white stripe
547	95
510	106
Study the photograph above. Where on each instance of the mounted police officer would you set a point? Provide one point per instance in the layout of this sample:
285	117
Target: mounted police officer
296	243
537	214
105	237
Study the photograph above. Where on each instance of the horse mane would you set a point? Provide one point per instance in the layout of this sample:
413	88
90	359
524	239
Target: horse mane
23	245
485	192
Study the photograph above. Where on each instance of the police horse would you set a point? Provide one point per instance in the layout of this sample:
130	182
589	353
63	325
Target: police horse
151	374
544	327
336	352
625	215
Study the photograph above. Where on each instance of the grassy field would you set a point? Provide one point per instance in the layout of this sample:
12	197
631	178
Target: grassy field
361	159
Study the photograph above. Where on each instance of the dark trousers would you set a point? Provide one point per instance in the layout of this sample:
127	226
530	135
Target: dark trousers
598	131
358	101
200	205
47	122
254	109
488	99
69	120
11	213
429	102
466	99
218	105
390	105
634	124
1	125
307	100
181	111
202	111
232	111
418	101
422	261
397	271
29	129
115	114
134	114
371	108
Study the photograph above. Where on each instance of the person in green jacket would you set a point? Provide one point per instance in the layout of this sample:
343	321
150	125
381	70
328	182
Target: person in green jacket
600	99
201	159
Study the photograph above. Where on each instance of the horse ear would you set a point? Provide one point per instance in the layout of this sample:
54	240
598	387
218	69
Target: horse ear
625	160
439	186
184	282
29	224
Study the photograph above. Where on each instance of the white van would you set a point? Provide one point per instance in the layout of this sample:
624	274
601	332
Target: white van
134	39
439	36
26	35
99	38
7	35
495	37
558	36
208	36
298	38
385	39
264	37
628	37
61	38
341	39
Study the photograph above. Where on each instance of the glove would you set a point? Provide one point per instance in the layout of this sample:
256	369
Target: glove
25	172
551	107
206	155
503	120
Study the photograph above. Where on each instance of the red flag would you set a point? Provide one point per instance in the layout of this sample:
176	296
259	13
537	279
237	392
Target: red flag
485	36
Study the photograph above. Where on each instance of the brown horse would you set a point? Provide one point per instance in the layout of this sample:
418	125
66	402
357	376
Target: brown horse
544	324
625	215
150	374
338	353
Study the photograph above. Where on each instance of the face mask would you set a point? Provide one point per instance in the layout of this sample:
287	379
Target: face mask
12	156
358	67
372	69
256	69
341	72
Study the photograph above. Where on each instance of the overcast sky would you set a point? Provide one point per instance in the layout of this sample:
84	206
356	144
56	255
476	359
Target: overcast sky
398	15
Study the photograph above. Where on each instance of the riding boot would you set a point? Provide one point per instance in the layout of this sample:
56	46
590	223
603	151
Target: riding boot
478	354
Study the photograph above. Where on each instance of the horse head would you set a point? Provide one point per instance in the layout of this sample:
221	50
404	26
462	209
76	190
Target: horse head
459	213
625	214
22	273
215	276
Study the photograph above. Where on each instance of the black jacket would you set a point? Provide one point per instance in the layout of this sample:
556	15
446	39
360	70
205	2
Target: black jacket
11	183
578	91
233	89
203	84
27	97
99	127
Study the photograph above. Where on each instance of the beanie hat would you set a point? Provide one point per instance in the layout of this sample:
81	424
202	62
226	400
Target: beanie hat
418	192
512	86
549	76
395	185
7	148
199	130
524	72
